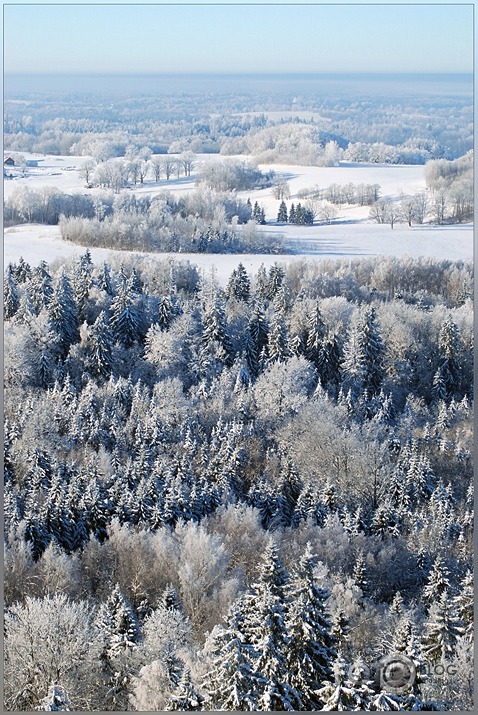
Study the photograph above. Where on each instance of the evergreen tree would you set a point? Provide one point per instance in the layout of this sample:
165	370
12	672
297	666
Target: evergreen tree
104	280
359	574
311	645
282	214
256	338
81	287
166	311
397	606
119	630
405	641
278	348
231	683
258	214
385	520
41	287
439	386
261	283
449	350
342	693
340	629
329	362
292	214
101	339
463	605
438	582
185	696
299	215
290	488
22	271
363	357
239	285
275	281
125	317
442	630
216	344
63	313
118	624
264	628
316	332
11	296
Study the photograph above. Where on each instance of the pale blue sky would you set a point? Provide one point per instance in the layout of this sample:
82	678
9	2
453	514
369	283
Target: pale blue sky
139	38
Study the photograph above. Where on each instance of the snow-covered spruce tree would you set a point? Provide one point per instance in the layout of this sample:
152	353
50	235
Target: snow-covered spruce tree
311	645
256	338
275	280
438	582
282	213
22	271
278	342
363	363
239	285
316	333
442	629
82	282
231	682
216	345
360	573
166	312
449	350
463	603
342	693
125	317
11	296
104	280
406	641
120	633
40	286
265	630
185	696
63	313
101	342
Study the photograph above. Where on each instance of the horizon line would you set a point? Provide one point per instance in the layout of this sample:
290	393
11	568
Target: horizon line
238	73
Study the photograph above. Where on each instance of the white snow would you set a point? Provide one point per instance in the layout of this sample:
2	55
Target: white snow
35	242
351	234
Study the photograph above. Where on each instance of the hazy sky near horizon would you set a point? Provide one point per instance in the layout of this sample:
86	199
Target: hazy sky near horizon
135	38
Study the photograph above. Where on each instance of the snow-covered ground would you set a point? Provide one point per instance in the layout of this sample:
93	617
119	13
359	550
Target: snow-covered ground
35	242
351	234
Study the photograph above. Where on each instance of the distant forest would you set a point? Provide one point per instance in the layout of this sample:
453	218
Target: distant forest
272	125
238	498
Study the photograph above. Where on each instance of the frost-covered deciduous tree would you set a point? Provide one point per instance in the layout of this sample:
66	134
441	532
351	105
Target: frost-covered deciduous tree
204	586
50	640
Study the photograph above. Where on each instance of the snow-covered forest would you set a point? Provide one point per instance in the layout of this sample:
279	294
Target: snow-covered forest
239	481
238	498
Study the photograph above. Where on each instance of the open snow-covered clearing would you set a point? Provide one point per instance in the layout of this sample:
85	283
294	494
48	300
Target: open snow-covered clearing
351	234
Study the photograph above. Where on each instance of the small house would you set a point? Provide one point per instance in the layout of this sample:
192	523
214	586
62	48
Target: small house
8	161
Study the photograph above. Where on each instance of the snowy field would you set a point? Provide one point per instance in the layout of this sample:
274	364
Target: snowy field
351	235
36	242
